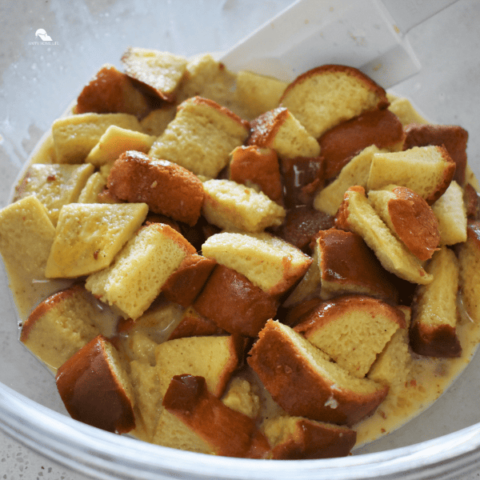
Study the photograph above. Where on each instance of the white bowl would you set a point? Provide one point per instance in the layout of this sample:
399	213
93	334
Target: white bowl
37	83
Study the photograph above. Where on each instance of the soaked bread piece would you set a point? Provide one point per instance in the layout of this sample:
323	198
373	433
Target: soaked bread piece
404	110
192	324
166	188
304	382
331	94
434	319
157	120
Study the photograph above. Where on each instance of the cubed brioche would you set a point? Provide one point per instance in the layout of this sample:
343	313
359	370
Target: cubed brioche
111	91
280	130
60	326
95	185
357	215
186	283
89	235
393	364
296	438
331	94
434	318
241	397
267	261
427	171
212	357
304	382
469	263
214	427
409	217
453	137
256	93
405	111
161	72
95	388
364	325
471	198
451	213
116	141
139	271
376	127
156	121
166	188
192	324
258	168
201	137
75	136
355	172
232	206
54	185
234	303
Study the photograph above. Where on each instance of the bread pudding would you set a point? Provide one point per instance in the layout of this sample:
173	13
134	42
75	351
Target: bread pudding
230	265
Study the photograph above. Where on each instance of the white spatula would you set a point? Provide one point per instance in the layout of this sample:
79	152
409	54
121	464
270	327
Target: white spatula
366	34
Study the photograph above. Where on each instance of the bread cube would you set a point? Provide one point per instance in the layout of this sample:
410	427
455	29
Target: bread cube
257	93
116	141
240	396
257	168
304	382
471	197
76	135
96	389
54	185
452	137
451	213
208	78
186	283
193	324
404	110
355	172
165	187
204	424
89	235
280	130
214	358
357	215
140	270
201	137
232	206
434	319
393	364
60	326
427	171
331	94
111	91
296	438
160	72
94	186
267	261
375	127
157	120
409	217
234	303
469	263
364	325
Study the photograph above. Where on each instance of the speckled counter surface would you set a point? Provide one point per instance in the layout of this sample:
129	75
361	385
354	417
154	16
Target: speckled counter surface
446	45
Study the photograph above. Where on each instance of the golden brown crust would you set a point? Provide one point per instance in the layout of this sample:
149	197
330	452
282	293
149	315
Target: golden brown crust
185	284
449	172
195	325
341	143
453	137
341	218
415	223
91	391
435	341
299	389
266	126
258	166
165	187
473	231
369	83
228	432
316	441
45	306
234	303
346	260
471	201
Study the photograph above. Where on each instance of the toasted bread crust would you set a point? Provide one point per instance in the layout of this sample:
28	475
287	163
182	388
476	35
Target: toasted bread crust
165	187
266	126
435	341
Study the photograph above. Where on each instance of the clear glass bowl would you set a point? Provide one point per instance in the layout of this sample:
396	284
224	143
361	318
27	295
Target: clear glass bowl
38	82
